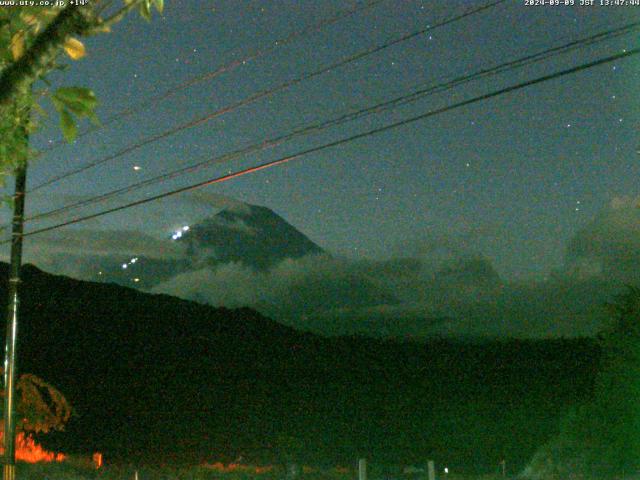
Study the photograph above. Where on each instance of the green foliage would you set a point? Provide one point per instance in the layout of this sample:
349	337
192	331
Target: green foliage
70	101
288	448
602	437
144	7
14	130
615	414
18	30
73	470
68	126
19	27
159	4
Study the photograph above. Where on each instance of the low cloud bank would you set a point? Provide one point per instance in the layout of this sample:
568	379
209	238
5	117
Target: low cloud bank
442	287
609	245
407	298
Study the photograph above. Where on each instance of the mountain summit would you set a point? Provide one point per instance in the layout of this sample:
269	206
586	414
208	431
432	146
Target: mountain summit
249	234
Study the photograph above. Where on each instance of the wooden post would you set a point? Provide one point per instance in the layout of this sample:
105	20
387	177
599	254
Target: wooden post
362	469
431	470
293	470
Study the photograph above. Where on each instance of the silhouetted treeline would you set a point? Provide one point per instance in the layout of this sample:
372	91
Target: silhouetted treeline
158	379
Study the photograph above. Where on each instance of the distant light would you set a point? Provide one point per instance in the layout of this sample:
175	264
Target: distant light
99	273
124	265
446	470
136	280
134	260
178	233
137	167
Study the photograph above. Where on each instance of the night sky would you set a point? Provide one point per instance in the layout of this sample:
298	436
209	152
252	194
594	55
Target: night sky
514	178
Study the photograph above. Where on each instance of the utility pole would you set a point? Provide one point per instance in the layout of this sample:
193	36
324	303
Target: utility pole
12	326
9	436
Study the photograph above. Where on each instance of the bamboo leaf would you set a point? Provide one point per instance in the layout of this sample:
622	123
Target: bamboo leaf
32	21
17	45
81	101
159	4
68	126
74	48
145	9
100	28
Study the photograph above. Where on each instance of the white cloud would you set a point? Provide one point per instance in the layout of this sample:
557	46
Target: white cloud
101	242
217	201
609	245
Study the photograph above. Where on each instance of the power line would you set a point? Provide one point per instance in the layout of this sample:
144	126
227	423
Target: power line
227	67
527	60
401	100
262	94
342	141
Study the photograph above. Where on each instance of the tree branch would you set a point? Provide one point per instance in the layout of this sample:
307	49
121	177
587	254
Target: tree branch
17	77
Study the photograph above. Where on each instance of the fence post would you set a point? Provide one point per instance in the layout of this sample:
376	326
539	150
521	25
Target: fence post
362	469
293	471
431	470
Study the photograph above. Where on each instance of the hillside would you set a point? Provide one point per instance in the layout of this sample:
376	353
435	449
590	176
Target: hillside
157	379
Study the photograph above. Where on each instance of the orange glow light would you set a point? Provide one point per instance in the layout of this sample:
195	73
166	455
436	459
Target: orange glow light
97	460
27	450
